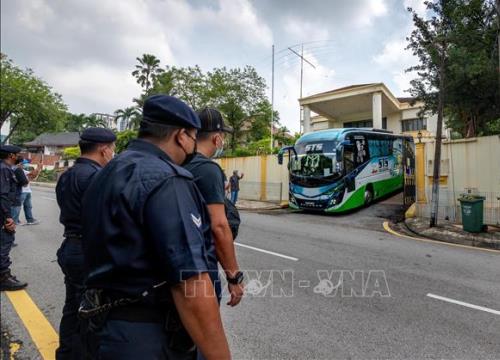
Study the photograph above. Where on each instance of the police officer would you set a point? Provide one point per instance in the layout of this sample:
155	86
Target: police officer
97	149
8	185
210	179
149	248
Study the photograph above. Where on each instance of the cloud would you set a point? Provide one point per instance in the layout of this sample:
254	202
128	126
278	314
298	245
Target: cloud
237	18
417	5
394	59
369	11
302	30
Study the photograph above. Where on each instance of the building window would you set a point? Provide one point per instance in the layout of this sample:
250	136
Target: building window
359	124
384	123
413	125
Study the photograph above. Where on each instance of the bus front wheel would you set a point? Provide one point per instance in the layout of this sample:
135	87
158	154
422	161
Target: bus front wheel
368	196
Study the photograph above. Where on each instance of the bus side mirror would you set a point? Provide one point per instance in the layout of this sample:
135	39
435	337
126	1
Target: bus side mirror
280	158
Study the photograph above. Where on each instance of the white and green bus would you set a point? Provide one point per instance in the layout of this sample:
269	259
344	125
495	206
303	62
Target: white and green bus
342	169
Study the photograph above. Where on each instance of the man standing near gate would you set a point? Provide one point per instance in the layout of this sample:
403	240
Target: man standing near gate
97	147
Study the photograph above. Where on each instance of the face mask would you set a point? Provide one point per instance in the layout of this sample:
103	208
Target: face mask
189	156
219	151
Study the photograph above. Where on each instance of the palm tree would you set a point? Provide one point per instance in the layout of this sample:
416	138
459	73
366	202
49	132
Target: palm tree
128	116
147	70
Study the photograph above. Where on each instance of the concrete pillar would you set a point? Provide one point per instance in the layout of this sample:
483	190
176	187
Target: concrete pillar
420	172
377	110
307	119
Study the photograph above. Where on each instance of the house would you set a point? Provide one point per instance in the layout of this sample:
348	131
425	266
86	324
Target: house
53	143
366	105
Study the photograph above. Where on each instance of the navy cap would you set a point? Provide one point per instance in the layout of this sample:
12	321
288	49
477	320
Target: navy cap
98	135
168	110
211	120
10	149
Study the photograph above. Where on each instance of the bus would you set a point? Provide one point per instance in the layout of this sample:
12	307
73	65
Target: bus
338	170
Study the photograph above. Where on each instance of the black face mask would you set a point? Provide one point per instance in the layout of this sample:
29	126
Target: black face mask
189	157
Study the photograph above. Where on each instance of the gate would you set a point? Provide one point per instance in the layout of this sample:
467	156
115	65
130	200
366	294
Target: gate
409	185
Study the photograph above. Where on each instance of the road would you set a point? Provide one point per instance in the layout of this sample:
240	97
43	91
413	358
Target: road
411	299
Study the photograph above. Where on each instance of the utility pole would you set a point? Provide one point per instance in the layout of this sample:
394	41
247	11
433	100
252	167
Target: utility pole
437	150
302	59
272	103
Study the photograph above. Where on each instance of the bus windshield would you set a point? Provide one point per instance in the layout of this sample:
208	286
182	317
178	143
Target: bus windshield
315	160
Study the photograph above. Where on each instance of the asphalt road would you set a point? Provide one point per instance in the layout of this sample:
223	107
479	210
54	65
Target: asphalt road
323	287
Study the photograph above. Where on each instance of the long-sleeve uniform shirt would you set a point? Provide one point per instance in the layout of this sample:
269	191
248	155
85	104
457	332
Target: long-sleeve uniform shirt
8	186
69	192
145	222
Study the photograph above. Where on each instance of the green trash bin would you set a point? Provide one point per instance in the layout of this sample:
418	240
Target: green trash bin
472	213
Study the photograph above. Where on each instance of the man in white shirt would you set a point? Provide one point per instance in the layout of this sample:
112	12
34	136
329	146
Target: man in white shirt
26	198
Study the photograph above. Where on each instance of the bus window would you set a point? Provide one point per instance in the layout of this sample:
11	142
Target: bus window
360	149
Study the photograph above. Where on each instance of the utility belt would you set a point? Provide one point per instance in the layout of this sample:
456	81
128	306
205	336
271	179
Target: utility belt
99	306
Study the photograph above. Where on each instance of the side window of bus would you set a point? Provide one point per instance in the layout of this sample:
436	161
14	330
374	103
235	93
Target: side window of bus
361	149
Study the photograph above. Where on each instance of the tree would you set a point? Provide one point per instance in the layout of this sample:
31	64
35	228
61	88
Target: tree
28	102
131	116
74	122
146	71
465	33
239	94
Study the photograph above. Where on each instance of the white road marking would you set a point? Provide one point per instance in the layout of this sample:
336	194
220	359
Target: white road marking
267	252
48	198
472	306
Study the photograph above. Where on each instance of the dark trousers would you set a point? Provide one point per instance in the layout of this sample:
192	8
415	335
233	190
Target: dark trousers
124	340
71	332
6	240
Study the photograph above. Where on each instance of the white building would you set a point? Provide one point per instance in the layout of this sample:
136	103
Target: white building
366	105
4	131
109	120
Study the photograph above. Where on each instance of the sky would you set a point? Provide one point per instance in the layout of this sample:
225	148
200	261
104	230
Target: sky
86	50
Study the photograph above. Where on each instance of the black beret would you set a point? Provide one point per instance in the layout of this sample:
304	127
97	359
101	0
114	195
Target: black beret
98	135
168	110
10	149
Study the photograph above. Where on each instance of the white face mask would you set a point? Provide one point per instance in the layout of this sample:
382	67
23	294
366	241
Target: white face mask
220	150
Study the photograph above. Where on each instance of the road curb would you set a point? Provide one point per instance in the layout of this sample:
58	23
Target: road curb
404	232
455	237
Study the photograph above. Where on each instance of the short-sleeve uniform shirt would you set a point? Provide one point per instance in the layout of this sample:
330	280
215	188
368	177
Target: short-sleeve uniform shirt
209	178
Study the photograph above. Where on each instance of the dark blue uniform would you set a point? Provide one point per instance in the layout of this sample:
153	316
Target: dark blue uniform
8	186
144	223
70	190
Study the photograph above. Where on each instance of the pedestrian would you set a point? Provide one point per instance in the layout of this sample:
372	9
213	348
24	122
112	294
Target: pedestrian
210	180
149	248
97	147
26	195
8	189
21	181
234	183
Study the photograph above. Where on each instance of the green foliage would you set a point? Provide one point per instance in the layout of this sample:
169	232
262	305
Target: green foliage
465	32
71	153
146	71
74	122
123	138
28	102
47	176
130	115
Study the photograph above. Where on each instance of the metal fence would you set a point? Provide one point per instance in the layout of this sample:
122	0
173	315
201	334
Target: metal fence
254	190
449	206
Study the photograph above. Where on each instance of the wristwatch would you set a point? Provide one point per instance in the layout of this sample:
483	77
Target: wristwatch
237	279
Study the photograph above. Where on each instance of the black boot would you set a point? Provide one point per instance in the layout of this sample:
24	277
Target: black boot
8	282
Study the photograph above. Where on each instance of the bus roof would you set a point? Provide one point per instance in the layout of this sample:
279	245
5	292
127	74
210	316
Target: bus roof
335	134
